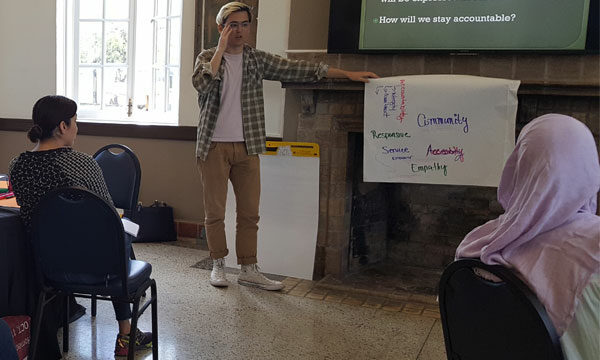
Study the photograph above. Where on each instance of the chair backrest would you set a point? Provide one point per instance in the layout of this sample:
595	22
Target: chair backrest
77	237
489	320
122	174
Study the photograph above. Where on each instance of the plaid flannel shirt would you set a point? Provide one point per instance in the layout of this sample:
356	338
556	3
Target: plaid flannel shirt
257	65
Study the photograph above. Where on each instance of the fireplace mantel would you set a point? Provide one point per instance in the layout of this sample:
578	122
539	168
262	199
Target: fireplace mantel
526	88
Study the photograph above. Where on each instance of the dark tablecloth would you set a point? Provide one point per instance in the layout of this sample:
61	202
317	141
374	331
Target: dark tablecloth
18	285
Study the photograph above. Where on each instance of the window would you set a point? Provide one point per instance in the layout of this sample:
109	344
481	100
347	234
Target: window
120	59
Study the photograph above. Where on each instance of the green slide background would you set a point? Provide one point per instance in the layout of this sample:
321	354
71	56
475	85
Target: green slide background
539	24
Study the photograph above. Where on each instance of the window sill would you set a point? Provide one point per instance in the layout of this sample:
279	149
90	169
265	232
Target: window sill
115	129
137	118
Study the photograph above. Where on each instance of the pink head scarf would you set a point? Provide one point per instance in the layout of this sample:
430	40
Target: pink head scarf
549	231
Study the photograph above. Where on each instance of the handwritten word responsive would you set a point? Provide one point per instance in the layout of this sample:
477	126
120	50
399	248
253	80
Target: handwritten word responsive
389	135
424	121
452	150
425	168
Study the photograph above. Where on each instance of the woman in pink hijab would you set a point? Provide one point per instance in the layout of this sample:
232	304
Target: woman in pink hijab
549	233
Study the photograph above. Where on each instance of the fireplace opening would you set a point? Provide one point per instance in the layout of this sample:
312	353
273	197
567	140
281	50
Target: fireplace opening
403	235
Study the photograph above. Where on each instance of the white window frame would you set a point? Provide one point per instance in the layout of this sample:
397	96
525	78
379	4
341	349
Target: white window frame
68	65
166	67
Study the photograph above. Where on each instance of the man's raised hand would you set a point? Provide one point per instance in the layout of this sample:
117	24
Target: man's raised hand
224	38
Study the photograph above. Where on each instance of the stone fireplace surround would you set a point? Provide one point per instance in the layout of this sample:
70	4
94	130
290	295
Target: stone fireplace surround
331	115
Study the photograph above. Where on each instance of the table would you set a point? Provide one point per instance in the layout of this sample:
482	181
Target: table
18	284
11	203
14	256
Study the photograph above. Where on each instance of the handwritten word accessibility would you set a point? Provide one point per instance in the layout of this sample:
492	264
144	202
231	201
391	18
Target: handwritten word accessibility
452	150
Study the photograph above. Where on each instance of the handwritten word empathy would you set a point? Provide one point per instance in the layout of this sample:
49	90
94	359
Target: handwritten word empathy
389	135
428	168
424	121
452	150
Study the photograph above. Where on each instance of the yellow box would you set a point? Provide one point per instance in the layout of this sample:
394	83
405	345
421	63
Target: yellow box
297	148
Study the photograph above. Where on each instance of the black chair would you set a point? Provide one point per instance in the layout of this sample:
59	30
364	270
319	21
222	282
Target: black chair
79	250
490	320
8	351
122	174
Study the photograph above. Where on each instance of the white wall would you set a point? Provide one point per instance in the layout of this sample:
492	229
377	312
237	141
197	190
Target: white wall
272	36
188	96
27	54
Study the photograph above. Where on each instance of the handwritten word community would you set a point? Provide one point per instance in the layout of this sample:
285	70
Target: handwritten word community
424	121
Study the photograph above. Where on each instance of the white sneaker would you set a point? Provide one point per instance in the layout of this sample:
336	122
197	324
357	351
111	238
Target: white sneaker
250	276
217	276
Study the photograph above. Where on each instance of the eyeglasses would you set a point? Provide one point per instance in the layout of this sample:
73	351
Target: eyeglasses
236	25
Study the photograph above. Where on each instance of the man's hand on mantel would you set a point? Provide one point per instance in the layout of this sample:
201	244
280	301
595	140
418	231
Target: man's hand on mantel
362	76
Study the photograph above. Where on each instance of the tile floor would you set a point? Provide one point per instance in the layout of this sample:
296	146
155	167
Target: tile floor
305	321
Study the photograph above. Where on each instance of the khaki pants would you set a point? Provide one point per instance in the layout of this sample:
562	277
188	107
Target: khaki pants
230	161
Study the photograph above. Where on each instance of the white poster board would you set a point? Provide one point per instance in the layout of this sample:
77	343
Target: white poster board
438	129
289	215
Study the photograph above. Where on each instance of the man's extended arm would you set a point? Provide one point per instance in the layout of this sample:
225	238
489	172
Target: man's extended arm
362	76
283	69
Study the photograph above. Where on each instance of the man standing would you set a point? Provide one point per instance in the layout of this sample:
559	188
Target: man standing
231	134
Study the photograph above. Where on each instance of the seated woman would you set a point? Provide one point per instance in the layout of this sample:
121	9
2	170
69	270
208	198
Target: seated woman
54	164
549	233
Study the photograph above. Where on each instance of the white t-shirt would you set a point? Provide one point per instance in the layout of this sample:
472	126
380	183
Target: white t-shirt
229	122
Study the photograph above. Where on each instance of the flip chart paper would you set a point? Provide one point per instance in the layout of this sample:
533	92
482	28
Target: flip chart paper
438	129
289	216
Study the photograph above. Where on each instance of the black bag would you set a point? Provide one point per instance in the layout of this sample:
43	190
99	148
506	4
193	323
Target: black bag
156	223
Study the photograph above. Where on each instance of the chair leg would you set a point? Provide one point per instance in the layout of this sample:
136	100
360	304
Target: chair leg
132	257
66	324
39	314
154	321
132	333
94	301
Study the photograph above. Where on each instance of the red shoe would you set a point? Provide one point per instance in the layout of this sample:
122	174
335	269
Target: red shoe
143	340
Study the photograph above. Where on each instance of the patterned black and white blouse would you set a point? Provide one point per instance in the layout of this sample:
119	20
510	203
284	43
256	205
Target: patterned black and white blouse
34	173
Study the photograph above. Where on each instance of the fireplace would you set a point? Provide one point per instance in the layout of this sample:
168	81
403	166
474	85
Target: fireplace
395	226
